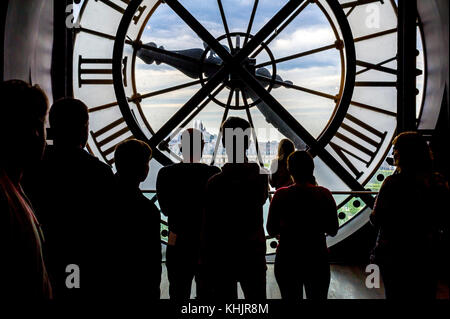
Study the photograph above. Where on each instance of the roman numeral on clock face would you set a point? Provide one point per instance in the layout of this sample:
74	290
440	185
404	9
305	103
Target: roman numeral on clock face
98	71
107	138
118	5
352	151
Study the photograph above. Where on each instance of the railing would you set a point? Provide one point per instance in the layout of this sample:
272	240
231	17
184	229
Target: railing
152	191
272	243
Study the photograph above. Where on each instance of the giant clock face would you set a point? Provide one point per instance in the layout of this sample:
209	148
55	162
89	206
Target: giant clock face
321	73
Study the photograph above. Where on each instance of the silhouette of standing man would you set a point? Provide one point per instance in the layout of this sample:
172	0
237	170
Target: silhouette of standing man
181	195
22	138
233	242
139	244
73	193
410	212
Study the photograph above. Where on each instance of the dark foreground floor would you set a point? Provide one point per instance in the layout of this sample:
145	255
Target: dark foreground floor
347	282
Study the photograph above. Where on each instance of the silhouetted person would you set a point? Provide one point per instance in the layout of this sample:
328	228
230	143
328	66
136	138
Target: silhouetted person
22	139
411	209
234	244
279	175
301	215
73	193
181	196
139	250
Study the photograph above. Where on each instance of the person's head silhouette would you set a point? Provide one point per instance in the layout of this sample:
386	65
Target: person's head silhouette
22	126
236	139
69	122
412	153
132	159
192	145
285	148
301	167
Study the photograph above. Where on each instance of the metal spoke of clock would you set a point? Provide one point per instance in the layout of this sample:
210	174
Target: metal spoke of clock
378	64
313	144
163	91
373	108
224	117
324	48
252	127
354	4
101	34
394	6
250	22
189	106
281	28
199	29
265	31
375	35
296	87
102	107
225	24
376	67
298	55
376	83
194	114
259	90
328	96
139	97
96	33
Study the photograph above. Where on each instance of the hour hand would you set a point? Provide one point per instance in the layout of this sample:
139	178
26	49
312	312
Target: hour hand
188	61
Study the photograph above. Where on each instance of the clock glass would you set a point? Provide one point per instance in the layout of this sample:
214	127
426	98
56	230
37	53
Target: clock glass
322	73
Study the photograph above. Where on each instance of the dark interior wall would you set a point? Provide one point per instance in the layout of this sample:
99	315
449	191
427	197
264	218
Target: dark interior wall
61	71
28	40
3	10
434	16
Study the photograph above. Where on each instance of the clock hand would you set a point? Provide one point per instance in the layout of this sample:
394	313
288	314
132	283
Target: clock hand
190	63
265	73
187	61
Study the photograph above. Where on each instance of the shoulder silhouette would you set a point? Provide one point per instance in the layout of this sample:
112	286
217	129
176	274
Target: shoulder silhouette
22	138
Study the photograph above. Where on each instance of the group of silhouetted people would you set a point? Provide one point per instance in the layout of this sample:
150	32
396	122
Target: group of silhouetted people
61	206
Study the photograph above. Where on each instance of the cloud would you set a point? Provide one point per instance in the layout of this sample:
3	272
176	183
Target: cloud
302	39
